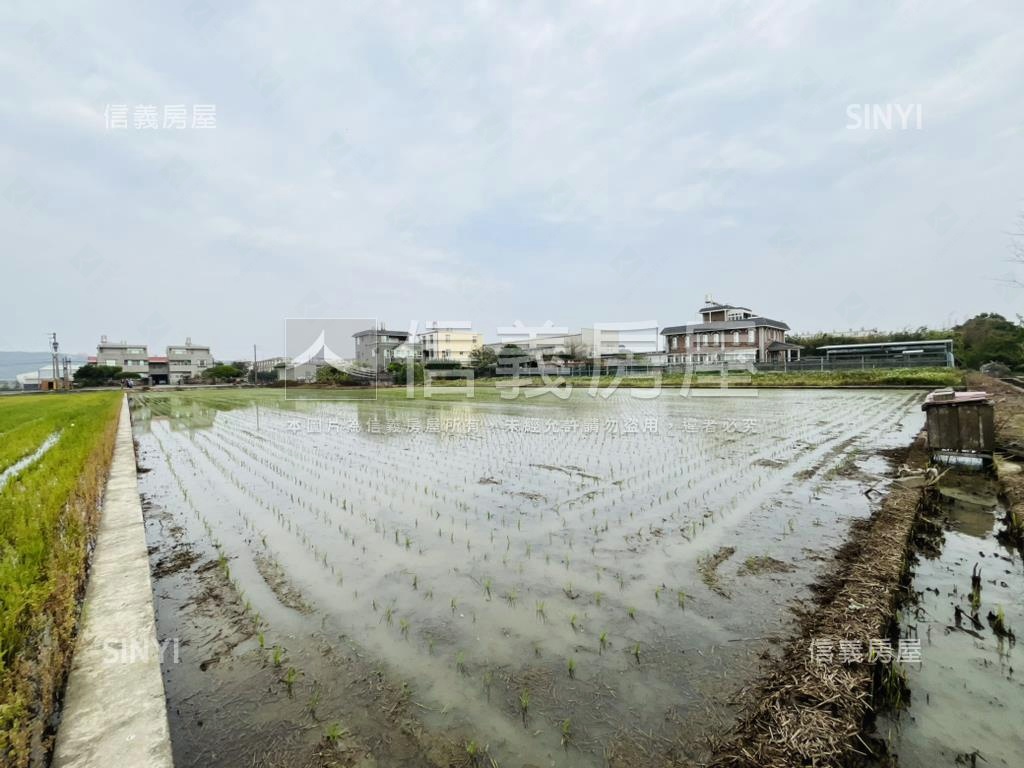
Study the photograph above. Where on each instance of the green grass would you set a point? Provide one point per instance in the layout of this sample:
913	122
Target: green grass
48	517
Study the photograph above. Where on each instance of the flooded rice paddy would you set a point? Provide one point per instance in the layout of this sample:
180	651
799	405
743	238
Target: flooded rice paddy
537	583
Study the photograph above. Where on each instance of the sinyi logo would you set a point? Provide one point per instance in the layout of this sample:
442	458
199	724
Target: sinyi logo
884	117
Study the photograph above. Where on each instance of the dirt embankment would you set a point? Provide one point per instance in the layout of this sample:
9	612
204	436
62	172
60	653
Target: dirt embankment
803	711
1009	423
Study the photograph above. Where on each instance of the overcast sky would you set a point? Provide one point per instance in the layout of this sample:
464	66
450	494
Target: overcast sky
536	161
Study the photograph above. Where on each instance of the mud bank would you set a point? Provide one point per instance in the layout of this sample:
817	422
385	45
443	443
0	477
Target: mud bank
804	712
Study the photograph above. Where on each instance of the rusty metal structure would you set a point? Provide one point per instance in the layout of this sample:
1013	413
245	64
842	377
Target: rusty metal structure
960	424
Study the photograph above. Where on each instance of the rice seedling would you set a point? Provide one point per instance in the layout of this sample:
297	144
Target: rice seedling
524	703
403	627
278	655
511	597
488	679
260	639
597	598
335	733
572	622
314	700
290	677
572	669
460	662
454	605
636	652
487	588
631	611
539	609
603	640
681	598
566	733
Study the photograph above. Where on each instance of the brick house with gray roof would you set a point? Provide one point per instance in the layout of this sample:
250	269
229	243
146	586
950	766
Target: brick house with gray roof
736	336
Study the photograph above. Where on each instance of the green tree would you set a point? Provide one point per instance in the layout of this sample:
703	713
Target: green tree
223	372
399	371
990	337
484	361
330	375
92	375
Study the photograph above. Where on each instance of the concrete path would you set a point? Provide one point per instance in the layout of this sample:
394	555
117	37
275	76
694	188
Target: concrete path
114	710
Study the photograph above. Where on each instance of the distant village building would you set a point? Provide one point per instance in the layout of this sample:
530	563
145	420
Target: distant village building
375	347
180	363
449	344
42	379
917	352
728	334
585	344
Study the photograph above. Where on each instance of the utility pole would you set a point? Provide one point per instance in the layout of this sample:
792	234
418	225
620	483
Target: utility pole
54	346
67	369
254	365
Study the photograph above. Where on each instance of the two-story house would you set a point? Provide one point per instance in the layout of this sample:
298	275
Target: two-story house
728	334
449	344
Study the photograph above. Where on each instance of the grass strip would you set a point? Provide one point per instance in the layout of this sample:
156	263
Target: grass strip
48	517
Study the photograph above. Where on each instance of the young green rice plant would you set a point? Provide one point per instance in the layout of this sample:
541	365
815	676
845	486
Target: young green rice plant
290	677
487	681
636	652
314	700
572	622
657	594
524	703
681	598
572	669
603	640
597	598
278	655
487	588
403	626
454	606
566	733
389	614
260	639
511	597
415	582
539	609
460	662
335	733
632	612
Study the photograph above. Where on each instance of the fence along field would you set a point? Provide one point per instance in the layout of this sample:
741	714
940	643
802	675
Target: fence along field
55	451
546	580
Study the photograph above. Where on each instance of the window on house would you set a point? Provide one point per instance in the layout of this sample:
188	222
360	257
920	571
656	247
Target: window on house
750	336
686	341
715	339
735	337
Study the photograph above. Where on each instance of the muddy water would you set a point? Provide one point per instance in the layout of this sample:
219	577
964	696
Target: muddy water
426	568
967	694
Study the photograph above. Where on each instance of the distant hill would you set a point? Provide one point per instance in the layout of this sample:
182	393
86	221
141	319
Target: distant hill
13	363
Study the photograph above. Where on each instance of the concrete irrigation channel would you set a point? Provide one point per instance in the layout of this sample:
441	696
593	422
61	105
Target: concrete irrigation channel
114	710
